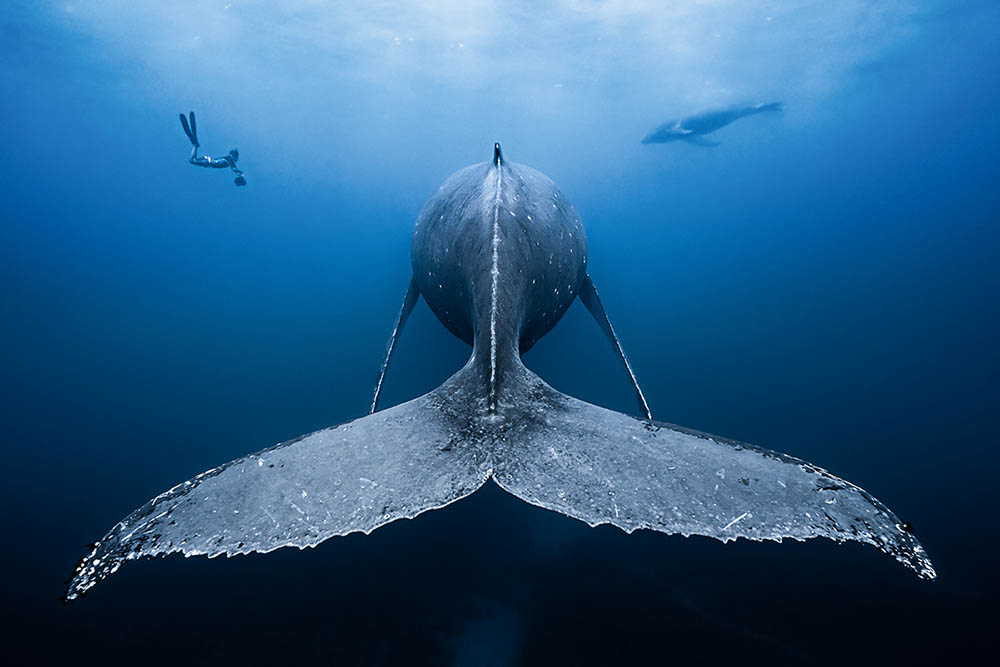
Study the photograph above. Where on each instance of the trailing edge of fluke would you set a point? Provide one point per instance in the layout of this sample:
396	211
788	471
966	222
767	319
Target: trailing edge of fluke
499	254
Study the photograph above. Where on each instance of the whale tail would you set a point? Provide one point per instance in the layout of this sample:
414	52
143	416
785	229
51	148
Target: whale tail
355	477
547	448
773	106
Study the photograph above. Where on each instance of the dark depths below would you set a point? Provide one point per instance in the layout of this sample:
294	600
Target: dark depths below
493	581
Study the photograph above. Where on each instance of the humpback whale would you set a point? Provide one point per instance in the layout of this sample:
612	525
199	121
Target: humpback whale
694	128
499	254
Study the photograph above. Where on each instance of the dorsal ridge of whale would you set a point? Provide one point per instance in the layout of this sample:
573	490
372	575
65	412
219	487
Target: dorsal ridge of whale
495	276
498	254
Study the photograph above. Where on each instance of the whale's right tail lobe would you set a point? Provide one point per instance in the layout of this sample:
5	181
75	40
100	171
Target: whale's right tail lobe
773	106
601	466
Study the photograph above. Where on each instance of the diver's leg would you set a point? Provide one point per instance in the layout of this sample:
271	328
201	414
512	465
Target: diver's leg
409	301
204	160
588	295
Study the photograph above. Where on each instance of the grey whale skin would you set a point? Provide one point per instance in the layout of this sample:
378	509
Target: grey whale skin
694	128
499	255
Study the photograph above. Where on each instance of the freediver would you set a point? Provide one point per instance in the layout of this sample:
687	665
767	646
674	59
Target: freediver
191	130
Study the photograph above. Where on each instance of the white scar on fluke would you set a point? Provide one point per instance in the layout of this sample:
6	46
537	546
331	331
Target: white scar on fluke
507	279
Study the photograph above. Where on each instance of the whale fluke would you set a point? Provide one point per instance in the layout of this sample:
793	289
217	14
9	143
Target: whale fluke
546	448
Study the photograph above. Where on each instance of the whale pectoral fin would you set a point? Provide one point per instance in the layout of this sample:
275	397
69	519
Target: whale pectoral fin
355	477
601	466
409	302
700	140
589	297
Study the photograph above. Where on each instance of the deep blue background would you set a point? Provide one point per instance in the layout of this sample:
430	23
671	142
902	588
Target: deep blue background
824	283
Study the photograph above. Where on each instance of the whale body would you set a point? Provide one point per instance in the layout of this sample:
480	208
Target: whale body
499	254
693	129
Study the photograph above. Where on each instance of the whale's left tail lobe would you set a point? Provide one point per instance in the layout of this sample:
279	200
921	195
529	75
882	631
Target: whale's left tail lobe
394	464
773	106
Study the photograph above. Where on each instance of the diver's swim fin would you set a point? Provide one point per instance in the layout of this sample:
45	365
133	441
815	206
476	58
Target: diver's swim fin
409	301
194	129
186	127
189	129
588	295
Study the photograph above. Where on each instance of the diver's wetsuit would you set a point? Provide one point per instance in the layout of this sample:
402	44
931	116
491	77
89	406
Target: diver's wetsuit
191	130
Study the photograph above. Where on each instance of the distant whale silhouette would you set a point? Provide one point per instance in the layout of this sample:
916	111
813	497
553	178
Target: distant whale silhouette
499	254
694	128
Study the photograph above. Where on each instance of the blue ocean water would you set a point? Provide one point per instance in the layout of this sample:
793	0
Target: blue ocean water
823	283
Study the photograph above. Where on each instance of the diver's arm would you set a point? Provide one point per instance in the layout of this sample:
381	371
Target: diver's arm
239	180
